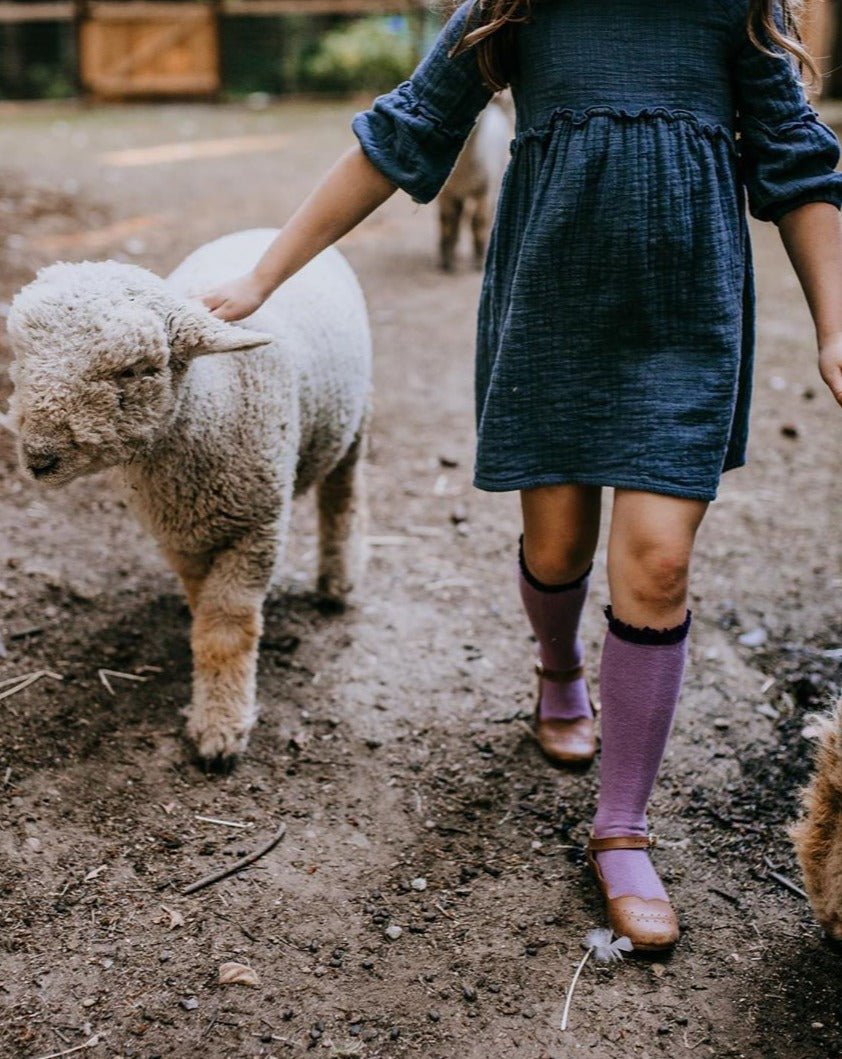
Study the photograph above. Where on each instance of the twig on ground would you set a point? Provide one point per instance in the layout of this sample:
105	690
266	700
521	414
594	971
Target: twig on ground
104	674
91	1042
223	873
23	682
519	721
223	823
784	881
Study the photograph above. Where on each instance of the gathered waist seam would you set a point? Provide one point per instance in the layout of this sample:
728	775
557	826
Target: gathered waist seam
571	116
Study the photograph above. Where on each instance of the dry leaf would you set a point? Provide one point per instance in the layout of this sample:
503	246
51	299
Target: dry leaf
237	974
176	918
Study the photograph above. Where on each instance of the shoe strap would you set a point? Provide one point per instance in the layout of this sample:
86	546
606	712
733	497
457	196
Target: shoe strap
559	676
599	845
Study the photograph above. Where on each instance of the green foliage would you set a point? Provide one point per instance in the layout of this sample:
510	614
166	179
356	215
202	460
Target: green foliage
370	54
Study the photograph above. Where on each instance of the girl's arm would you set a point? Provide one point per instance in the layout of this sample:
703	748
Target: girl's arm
812	235
346	195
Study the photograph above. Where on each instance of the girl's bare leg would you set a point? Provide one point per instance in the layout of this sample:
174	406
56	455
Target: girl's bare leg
560	530
649	549
561	525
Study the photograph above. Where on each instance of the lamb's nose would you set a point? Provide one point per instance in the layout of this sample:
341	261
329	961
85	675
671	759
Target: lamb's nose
41	463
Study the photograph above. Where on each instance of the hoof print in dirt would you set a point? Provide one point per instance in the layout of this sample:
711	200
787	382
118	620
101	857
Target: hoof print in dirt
211	449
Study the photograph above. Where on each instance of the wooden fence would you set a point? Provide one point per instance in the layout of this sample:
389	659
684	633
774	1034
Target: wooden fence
148	48
165	48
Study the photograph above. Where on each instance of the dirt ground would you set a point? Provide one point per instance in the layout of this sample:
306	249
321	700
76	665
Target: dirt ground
393	740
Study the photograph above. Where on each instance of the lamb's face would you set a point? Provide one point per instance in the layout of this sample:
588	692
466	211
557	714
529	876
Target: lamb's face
92	375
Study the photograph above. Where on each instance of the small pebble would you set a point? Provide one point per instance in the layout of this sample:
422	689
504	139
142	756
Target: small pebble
393	932
721	723
189	1003
419	884
433	1016
753	638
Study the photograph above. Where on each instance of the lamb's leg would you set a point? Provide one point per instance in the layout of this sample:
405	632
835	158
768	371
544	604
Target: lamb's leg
193	570
343	518
227	623
450	214
479	228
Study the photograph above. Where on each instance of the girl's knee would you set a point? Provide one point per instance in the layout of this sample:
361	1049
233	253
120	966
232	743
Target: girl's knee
556	563
657	575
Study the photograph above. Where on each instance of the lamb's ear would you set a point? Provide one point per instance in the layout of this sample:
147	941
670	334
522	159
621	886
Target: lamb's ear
193	331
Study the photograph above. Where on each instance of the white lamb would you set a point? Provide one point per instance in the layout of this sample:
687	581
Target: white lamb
474	181
111	371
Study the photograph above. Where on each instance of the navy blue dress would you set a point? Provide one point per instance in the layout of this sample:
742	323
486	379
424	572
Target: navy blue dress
616	321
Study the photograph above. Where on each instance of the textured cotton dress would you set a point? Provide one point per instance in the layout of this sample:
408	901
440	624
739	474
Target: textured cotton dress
616	320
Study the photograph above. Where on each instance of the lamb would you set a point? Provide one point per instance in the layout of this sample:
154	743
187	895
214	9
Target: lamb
817	834
475	179
113	369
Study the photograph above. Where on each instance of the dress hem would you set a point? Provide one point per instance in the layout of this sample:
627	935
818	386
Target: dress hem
493	485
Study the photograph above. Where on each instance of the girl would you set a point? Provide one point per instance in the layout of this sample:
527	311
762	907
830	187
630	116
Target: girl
616	324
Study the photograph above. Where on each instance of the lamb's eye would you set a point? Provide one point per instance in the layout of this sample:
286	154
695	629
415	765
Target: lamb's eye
137	371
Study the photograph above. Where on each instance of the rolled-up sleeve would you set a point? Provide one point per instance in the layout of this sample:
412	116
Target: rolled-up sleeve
788	155
414	134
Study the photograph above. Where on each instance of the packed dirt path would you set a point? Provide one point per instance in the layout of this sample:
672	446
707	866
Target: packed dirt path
394	740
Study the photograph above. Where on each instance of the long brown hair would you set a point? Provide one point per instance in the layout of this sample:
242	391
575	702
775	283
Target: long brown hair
491	24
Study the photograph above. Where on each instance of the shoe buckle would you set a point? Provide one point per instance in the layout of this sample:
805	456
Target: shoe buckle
653	841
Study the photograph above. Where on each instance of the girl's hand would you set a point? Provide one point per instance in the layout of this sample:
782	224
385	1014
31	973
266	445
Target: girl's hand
830	364
237	299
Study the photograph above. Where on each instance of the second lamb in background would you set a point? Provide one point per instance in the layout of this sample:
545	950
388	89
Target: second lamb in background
474	182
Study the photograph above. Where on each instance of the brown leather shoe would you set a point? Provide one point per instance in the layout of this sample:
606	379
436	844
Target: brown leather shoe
564	742
650	925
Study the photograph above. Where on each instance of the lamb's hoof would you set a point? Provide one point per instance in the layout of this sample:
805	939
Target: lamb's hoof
216	745
331	605
332	594
221	765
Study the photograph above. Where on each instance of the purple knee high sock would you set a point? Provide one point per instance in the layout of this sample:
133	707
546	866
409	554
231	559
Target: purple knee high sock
640	680
554	612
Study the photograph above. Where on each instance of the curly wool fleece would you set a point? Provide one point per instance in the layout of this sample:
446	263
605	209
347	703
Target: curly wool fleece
111	371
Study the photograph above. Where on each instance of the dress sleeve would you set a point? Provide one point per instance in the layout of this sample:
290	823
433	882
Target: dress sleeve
414	133
788	155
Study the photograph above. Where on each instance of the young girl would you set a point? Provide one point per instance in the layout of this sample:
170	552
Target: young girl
616	324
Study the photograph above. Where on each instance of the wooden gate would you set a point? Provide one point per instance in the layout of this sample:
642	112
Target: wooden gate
148	48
